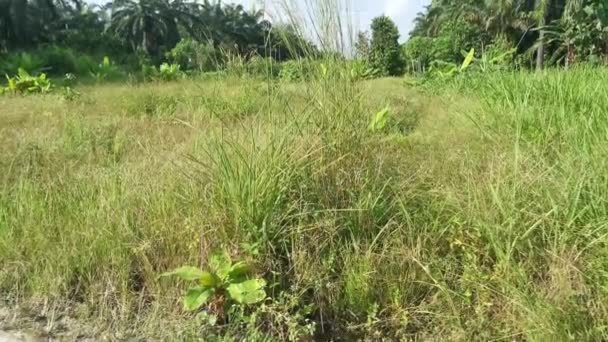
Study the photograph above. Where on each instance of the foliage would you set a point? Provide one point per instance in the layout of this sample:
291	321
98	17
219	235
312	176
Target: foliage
418	54
169	72
24	83
385	54
454	37
497	56
263	66
360	70
224	279
564	31
380	120
165	72
53	60
579	35
446	70
128	30
104	70
192	55
363	46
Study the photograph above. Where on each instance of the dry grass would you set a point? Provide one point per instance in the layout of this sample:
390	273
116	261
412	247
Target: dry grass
462	220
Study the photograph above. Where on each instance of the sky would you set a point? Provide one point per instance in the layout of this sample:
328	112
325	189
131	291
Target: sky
402	12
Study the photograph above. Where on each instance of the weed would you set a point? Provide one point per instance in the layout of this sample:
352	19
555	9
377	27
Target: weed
24	83
224	280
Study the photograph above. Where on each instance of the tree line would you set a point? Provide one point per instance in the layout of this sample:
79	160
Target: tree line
150	28
540	32
504	33
530	33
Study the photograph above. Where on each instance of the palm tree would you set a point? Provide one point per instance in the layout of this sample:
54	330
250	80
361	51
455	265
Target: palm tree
148	24
139	22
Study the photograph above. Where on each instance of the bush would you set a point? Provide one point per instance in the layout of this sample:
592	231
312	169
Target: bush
11	63
193	55
385	53
53	60
260	66
58	60
417	53
105	70
291	71
457	36
24	83
170	72
166	72
299	70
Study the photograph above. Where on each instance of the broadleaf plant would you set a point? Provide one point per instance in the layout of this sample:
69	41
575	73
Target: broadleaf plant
380	120
223	279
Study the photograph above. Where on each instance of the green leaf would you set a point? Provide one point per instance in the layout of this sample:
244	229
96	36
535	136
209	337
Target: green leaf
238	270
379	120
220	263
188	273
22	73
248	292
196	297
468	60
209	280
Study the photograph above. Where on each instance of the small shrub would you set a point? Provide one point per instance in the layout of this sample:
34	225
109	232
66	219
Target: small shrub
225	282
11	63
361	70
417	53
193	55
380	120
292	71
260	66
69	94
170	72
24	83
58	60
106	69
166	72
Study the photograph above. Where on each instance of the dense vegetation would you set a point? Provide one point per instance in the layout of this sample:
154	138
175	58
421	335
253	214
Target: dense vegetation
539	32
296	193
72	37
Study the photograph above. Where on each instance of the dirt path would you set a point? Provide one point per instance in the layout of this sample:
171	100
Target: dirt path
17	337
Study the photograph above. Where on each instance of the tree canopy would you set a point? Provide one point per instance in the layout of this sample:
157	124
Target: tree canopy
552	31
147	27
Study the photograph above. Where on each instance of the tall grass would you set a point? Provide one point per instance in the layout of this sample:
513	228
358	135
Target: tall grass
477	214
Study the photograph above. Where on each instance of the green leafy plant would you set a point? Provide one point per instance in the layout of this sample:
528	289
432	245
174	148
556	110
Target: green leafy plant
69	94
166	72
223	280
291	71
103	70
448	70
194	55
24	83
170	72
360	70
380	120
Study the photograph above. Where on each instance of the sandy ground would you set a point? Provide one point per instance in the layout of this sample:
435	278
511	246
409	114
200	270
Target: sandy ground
17	337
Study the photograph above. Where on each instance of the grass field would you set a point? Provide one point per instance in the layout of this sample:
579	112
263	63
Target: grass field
478	213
